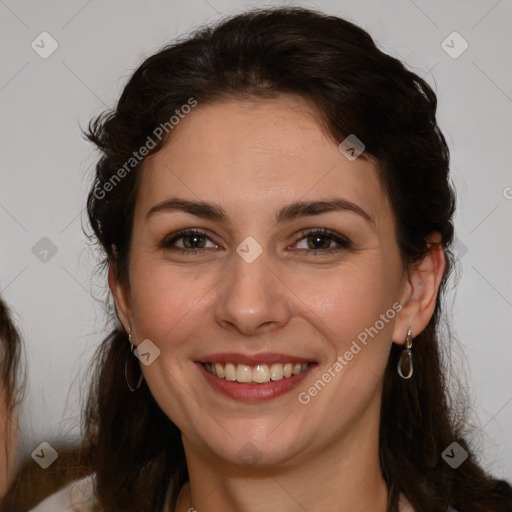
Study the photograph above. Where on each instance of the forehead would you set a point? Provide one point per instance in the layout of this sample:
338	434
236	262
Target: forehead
258	154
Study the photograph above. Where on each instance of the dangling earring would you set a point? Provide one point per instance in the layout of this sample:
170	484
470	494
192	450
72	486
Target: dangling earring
405	361
134	364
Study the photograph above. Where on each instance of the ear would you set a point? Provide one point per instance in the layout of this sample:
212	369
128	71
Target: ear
419	293
121	294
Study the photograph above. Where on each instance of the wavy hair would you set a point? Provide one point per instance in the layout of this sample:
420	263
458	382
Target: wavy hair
10	378
356	89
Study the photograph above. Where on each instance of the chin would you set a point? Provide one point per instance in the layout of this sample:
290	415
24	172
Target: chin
262	445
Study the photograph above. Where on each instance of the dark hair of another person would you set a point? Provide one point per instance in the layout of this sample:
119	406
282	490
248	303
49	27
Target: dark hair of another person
11	390
134	448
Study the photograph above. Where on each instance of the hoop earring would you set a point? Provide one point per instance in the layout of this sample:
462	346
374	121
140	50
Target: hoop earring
405	361
134	365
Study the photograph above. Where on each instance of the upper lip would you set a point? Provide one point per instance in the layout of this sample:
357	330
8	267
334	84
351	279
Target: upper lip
253	359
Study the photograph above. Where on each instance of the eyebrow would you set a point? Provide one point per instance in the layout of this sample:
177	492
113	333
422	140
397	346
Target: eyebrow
286	214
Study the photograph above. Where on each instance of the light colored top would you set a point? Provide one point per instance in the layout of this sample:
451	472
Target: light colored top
78	496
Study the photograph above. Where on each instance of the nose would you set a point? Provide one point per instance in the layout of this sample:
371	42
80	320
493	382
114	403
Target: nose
253	298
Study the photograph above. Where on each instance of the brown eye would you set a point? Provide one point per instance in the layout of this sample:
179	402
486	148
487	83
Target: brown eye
318	242
193	241
188	240
321	241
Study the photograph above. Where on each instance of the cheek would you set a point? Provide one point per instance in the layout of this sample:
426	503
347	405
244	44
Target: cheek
350	299
164	300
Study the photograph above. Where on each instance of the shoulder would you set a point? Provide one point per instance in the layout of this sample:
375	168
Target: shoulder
78	496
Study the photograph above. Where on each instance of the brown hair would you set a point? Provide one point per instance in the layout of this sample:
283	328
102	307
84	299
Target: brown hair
10	378
133	447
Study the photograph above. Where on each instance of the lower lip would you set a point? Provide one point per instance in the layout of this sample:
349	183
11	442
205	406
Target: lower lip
254	392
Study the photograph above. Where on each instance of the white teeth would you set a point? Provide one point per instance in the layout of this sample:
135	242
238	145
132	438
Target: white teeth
260	373
219	371
243	373
230	372
276	372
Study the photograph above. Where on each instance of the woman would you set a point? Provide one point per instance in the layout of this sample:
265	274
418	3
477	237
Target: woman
274	204
10	347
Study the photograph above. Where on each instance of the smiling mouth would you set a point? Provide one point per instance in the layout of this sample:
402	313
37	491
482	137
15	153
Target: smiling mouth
257	374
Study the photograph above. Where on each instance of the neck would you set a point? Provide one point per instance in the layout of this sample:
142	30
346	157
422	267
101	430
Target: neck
344	475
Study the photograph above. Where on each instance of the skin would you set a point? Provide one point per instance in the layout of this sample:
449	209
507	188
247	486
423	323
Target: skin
252	158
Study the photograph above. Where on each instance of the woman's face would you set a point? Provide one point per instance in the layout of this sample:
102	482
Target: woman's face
261	290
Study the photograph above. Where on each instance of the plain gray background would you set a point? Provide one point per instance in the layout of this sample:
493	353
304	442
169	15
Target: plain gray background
46	170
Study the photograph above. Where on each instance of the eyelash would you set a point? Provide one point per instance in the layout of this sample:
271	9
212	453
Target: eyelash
343	242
